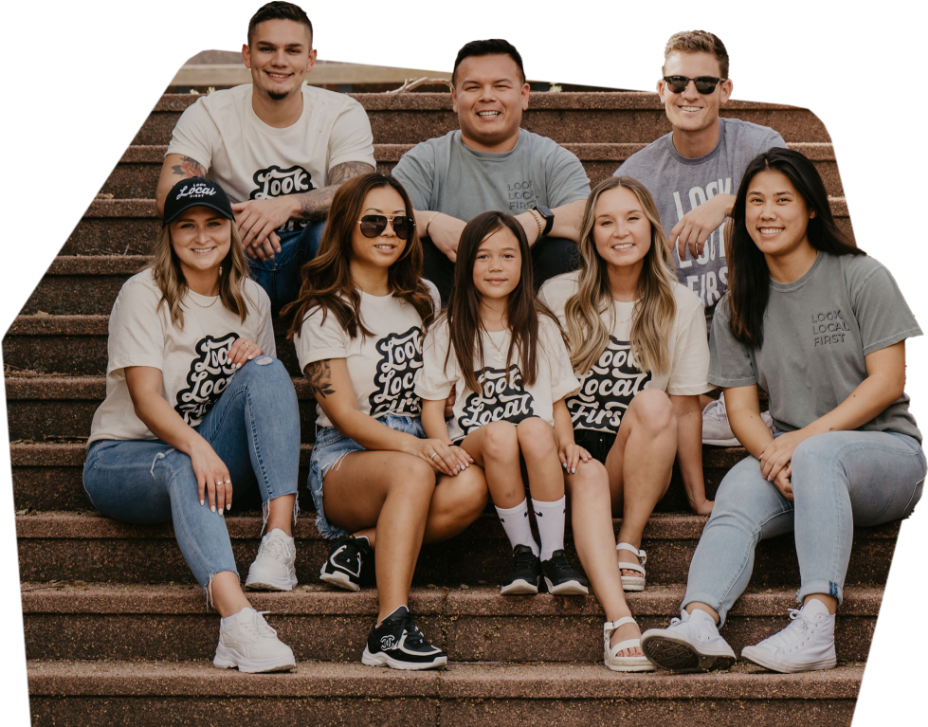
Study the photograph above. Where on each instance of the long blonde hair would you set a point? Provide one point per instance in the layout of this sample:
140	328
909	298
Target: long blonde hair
168	276
655	308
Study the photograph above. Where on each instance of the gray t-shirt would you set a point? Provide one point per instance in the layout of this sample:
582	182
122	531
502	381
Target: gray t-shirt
817	331
445	175
679	185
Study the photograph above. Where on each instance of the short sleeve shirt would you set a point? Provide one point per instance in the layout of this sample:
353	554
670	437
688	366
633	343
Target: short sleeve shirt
192	360
251	160
817	332
608	388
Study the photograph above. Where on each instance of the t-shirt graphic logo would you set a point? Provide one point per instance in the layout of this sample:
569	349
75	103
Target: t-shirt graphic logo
501	398
208	377
607	389
400	358
274	182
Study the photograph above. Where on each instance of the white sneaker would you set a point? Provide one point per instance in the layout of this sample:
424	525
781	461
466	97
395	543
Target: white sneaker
273	569
691	643
247	642
715	427
808	643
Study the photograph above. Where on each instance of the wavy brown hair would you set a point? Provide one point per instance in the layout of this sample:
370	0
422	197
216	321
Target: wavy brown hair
654	311
523	310
168	276
327	281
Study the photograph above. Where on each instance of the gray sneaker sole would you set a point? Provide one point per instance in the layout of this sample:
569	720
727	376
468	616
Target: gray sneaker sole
679	656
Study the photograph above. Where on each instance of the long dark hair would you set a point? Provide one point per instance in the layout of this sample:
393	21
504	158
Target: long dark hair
464	306
327	279
748	274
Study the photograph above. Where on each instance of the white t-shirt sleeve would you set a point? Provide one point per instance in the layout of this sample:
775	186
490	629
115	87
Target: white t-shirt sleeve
690	365
260	306
193	135
563	381
136	334
319	340
434	380
351	139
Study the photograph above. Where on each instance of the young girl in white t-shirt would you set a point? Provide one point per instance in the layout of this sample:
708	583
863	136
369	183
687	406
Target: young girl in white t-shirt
357	328
198	414
505	358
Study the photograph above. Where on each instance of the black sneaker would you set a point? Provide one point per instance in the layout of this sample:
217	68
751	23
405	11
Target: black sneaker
350	564
525	573
562	578
399	644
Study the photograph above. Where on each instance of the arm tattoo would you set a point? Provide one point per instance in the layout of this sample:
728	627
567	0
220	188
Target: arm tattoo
319	374
315	205
188	168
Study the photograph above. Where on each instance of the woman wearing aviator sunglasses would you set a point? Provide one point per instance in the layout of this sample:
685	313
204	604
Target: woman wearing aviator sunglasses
357	327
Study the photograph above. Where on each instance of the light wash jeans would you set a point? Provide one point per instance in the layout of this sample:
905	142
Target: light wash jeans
255	430
839	480
280	276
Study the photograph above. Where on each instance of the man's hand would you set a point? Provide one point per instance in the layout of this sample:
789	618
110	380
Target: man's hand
257	219
694	229
530	225
445	233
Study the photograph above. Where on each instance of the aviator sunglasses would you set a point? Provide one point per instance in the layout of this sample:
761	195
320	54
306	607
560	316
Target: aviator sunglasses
704	84
374	225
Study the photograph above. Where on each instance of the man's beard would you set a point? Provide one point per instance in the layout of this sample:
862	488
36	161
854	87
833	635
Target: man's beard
276	96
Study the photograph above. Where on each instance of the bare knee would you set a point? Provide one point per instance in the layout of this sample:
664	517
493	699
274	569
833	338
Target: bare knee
591	481
501	441
415	475
652	411
536	438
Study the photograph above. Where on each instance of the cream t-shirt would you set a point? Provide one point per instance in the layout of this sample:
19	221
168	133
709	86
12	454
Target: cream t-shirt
607	390
192	361
251	160
501	397
382	367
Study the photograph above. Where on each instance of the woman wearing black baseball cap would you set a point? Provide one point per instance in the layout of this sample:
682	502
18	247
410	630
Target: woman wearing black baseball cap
199	414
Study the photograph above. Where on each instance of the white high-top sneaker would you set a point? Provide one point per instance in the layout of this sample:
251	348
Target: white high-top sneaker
808	643
690	644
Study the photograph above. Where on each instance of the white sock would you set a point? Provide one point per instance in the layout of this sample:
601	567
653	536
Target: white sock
549	516
517	526
234	616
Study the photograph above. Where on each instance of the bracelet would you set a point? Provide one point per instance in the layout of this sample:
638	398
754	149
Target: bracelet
539	220
425	232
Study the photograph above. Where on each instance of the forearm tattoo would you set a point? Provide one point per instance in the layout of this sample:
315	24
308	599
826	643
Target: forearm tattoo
315	205
188	168
319	374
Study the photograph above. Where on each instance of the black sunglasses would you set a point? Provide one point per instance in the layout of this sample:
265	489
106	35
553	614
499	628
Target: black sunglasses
704	84
373	225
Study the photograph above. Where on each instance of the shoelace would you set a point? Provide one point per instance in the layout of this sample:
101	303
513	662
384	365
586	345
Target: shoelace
794	634
257	626
279	548
526	559
560	563
414	637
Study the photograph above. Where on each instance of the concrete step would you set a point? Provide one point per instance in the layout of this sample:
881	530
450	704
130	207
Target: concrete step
136	175
568	118
321	623
130	227
101	694
47	475
57	546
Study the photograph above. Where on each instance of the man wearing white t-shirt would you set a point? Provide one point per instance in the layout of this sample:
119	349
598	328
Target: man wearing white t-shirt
277	147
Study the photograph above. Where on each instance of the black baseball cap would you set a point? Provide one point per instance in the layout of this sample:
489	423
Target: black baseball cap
196	192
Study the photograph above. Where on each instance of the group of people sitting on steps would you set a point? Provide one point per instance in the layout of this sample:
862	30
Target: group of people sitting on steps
482	323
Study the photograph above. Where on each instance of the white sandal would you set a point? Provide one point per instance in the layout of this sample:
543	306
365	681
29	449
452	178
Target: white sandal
622	663
633	583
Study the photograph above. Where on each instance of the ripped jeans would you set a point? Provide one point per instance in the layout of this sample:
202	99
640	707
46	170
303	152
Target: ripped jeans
254	427
839	480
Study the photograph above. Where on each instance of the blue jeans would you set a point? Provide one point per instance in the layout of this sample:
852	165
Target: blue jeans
839	480
255	430
280	276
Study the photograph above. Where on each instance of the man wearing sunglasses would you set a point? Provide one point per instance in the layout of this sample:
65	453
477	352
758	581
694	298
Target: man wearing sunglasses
490	163
278	148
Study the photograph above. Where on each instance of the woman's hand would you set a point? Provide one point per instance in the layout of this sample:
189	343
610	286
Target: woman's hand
571	454
242	351
783	483
212	477
444	457
779	452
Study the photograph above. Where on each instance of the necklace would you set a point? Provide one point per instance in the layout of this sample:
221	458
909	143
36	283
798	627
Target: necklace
499	354
203	306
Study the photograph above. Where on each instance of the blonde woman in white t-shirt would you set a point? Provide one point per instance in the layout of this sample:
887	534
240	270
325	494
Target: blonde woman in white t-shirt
638	345
198	414
357	329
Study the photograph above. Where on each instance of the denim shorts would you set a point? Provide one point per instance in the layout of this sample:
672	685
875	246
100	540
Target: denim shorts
330	448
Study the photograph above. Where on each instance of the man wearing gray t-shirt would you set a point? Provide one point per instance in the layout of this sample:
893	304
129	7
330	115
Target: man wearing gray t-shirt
492	164
694	172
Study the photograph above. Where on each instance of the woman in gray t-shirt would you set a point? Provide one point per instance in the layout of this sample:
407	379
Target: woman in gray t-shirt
821	327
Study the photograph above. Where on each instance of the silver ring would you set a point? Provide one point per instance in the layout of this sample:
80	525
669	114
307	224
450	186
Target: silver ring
434	455
227	482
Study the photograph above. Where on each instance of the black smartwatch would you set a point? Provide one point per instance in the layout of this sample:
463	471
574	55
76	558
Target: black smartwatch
548	217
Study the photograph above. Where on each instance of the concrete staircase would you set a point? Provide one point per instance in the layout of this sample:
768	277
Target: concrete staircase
117	632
